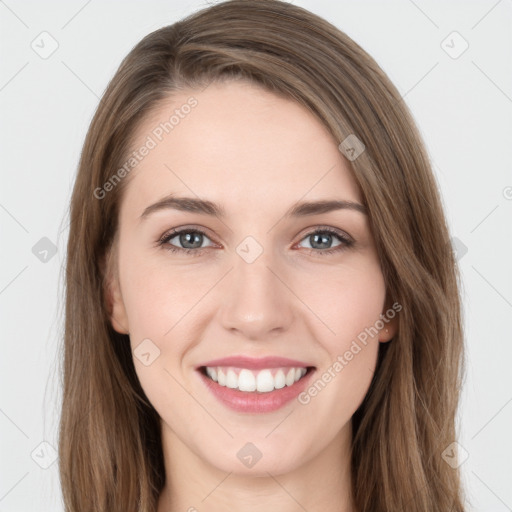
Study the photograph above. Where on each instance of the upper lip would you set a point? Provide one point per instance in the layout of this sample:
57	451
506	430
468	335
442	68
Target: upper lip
256	363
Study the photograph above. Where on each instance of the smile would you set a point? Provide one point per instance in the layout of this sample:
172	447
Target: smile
255	385
263	381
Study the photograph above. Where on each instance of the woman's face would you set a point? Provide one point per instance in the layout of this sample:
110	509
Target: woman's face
272	280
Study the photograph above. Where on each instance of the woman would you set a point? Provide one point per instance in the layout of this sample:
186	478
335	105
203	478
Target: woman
262	306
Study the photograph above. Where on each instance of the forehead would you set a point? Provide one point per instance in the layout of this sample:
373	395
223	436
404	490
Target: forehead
239	145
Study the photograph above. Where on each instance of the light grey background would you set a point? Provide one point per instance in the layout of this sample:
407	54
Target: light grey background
463	107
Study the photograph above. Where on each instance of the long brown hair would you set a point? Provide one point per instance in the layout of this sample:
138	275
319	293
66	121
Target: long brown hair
110	446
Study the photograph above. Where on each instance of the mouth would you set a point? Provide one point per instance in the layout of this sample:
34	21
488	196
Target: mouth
247	380
255	386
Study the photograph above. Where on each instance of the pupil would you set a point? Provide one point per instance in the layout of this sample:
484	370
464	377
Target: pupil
186	239
323	240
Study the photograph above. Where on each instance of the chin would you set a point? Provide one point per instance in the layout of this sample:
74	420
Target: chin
257	458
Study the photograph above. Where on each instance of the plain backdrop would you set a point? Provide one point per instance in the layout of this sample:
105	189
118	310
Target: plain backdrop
452	63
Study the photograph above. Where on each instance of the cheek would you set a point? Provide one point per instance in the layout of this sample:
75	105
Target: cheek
338	390
167	307
158	297
349	305
345	300
159	303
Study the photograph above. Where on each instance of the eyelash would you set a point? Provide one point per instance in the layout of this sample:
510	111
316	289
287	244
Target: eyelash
163	241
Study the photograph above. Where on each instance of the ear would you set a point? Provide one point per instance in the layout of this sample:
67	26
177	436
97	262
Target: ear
114	298
390	320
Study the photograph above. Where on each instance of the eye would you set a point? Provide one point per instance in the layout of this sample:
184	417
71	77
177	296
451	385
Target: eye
320	241
191	241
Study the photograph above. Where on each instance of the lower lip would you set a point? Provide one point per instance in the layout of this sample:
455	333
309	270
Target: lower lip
256	402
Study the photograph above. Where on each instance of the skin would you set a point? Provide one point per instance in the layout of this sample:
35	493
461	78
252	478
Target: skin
256	154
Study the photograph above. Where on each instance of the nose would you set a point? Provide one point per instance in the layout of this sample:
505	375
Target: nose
257	302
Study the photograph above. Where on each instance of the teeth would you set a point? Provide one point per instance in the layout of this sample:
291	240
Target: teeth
245	381
263	381
212	373
231	379
280	379
290	377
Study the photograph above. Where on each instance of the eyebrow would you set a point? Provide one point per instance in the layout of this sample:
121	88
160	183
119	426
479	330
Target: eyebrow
205	207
